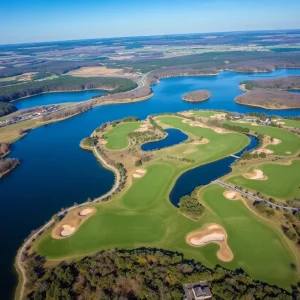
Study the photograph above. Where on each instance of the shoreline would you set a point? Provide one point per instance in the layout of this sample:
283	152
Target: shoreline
11	169
265	107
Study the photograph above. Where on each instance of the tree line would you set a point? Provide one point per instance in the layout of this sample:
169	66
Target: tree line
143	273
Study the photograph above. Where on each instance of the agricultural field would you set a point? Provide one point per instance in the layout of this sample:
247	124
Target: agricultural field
142	214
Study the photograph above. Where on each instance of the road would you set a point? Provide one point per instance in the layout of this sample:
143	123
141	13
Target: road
253	197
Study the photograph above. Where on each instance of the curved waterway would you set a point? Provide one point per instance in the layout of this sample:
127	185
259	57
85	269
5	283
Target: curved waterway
56	98
55	172
174	137
204	174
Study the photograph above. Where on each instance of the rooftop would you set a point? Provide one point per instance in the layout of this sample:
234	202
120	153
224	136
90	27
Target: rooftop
197	291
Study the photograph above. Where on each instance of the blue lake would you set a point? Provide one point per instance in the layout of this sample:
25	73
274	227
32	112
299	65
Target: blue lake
55	172
56	98
174	137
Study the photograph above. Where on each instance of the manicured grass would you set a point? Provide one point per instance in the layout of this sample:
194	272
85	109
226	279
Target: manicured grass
203	113
219	146
290	123
283	180
290	142
117	137
144	216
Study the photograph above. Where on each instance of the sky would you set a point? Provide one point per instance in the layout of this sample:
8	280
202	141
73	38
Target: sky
23	21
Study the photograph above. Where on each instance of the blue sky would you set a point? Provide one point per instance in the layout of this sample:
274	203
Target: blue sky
48	20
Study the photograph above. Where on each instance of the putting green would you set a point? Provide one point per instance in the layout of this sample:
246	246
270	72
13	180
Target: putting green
283	180
117	137
290	142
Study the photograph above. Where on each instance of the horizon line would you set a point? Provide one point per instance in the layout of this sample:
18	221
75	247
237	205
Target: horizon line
151	35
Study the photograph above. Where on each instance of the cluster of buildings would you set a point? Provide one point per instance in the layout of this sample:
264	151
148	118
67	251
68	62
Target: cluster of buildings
266	122
30	114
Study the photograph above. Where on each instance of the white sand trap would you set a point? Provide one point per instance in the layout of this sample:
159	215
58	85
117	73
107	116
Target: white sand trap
254	124
230	194
276	141
219	116
197	124
67	230
141	171
187	113
280	123
213	226
143	128
103	142
214	237
256	175
135	175
86	212
288	152
220	130
186	121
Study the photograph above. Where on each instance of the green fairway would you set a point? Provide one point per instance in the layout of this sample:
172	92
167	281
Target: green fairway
283	180
290	123
117	137
290	142
203	113
144	216
219	146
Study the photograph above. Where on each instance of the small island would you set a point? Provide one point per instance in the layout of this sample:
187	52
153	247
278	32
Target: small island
197	96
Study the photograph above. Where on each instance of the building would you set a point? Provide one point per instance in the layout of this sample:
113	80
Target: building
197	291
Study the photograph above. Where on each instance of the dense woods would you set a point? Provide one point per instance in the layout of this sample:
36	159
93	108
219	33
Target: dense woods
236	128
282	83
6	108
197	96
63	84
7	164
142	273
190	206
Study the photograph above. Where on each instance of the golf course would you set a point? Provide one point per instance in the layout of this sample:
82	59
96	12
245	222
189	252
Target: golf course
141	214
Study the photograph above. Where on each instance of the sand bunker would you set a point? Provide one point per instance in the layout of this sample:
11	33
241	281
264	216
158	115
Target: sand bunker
280	123
86	212
258	151
256	175
288	152
254	124
102	142
219	116
67	230
212	233
143	128
187	113
220	130
232	195
138	173
72	221
276	141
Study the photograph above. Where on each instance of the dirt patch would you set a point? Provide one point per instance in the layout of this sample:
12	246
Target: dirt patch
219	116
256	175
72	221
190	151
102	142
96	71
212	233
194	123
202	142
280	123
187	113
139	173
232	195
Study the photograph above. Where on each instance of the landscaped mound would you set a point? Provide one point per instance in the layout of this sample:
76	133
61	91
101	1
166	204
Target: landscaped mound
197	96
256	175
212	233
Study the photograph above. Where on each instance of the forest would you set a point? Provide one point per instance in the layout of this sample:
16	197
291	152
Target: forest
142	273
6	108
6	164
65	83
197	96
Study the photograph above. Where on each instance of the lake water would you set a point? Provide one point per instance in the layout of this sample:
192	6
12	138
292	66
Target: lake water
203	175
55	172
56	98
174	137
